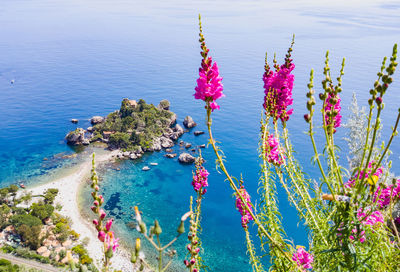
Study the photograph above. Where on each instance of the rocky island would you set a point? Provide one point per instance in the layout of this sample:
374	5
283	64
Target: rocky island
135	128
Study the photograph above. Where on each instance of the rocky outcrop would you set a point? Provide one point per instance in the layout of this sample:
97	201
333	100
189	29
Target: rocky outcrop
177	132
96	120
188	122
166	143
198	132
170	155
76	137
186	158
164	104
74	121
172	119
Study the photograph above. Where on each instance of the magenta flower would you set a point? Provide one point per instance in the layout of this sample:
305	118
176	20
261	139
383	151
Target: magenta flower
109	224
274	152
332	107
372	219
278	88
383	196
246	216
111	241
303	258
200	180
95	222
209	87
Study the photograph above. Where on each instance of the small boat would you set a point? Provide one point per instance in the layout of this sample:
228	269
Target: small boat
146	168
154	163
22	185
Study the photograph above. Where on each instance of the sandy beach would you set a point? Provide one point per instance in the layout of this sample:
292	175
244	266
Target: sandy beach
68	187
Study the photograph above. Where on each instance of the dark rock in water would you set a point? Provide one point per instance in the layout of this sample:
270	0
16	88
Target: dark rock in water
96	120
76	137
74	121
202	146
173	155
188	122
193	150
164	104
188	145
181	143
186	158
169	150
198	132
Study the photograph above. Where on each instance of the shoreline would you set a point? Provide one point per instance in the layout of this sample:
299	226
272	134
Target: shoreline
68	194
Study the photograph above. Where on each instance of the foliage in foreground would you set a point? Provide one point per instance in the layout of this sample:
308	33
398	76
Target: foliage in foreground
350	212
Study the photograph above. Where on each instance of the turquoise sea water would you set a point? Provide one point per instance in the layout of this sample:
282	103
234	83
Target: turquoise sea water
75	59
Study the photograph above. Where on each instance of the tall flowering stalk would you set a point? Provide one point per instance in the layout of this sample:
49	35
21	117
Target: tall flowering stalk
200	184
210	106
103	226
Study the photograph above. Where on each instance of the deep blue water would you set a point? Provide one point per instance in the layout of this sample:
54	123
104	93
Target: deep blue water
75	59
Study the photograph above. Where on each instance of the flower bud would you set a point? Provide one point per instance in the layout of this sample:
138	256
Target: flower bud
102	214
133	258
101	235
378	100
181	228
96	188
143	228
94	209
96	203
137	245
186	262
307	117
109	224
322	96
157	228
101	199
95	222
193	261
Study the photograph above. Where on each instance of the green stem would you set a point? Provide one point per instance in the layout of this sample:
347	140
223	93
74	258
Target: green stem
160	250
234	187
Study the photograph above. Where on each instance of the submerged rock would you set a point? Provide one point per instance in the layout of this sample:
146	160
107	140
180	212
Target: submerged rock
170	155
186	158
188	122
74	121
198	132
146	168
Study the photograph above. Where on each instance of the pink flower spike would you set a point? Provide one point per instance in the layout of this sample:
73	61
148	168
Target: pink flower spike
241	206
209	87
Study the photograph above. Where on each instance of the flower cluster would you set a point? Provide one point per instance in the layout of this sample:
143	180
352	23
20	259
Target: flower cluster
209	87
104	233
246	216
278	88
371	178
372	219
332	111
303	258
274	152
200	180
383	196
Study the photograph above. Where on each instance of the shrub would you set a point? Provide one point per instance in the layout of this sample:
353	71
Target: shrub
42	211
25	219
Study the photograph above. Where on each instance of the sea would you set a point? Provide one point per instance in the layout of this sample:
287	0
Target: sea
79	58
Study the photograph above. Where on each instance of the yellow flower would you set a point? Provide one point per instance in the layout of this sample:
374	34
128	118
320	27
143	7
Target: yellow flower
372	180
